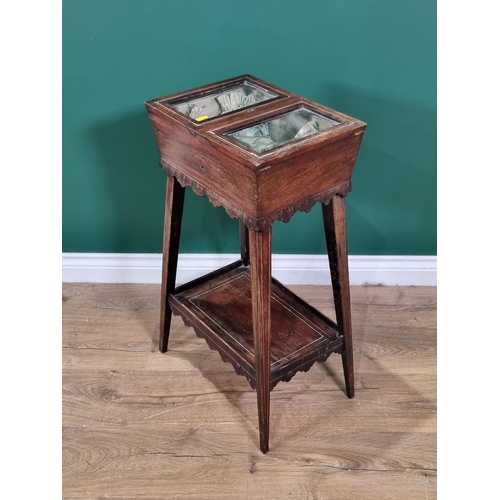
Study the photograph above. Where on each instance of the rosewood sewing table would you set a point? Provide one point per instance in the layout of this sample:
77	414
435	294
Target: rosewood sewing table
263	154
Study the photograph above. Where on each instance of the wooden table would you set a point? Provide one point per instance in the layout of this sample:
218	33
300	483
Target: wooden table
275	154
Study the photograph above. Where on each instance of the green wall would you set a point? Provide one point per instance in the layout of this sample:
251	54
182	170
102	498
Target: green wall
372	59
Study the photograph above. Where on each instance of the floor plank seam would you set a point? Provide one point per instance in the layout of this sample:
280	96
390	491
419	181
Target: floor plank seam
81	348
175	455
402	469
133	429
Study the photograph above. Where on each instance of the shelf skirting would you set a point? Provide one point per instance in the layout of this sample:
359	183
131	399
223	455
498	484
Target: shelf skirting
219	309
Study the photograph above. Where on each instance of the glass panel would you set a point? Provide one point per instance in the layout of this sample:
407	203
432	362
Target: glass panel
282	130
219	103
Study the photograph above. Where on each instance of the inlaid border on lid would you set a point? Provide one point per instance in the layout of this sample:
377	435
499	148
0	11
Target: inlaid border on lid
171	102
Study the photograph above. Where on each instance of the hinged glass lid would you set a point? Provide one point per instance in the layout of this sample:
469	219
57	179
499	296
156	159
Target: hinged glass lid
224	101
282	130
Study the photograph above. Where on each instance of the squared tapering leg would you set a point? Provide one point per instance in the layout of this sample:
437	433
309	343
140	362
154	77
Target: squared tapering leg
260	273
174	203
245	251
336	242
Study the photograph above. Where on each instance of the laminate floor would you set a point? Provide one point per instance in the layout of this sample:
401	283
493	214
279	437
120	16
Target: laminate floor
138	424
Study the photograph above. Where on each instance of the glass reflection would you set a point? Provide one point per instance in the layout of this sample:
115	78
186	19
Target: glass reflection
282	130
219	103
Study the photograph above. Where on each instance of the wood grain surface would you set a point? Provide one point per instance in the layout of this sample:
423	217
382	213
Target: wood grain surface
256	188
221	311
138	424
174	204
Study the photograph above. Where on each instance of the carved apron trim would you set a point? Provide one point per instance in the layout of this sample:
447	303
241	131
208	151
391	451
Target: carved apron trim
253	223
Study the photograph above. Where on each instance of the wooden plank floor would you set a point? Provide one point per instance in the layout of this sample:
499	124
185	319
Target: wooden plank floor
140	424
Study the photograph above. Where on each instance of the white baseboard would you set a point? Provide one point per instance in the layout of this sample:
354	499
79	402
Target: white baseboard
289	269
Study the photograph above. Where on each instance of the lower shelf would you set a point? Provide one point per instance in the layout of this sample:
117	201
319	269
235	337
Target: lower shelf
220	311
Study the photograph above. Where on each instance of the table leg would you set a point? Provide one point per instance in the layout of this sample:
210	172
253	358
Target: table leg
174	203
245	257
336	242
260	272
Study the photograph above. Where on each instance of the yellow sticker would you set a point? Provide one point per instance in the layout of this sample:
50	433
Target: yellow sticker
201	118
